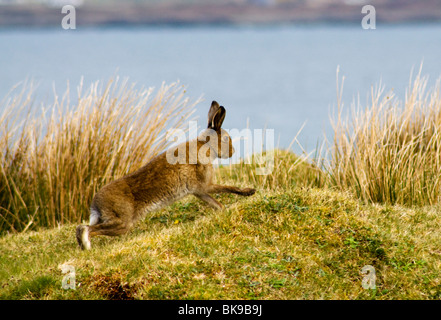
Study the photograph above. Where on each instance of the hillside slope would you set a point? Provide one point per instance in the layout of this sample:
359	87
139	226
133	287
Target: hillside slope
296	243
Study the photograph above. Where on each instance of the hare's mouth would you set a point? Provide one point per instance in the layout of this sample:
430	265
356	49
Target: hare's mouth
227	153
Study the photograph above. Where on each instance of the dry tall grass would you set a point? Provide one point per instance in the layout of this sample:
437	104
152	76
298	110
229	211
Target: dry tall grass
389	152
53	160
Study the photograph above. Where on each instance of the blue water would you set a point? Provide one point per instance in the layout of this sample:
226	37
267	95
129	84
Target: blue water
271	77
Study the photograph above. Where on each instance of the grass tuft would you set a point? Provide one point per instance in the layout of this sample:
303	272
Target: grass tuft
54	159
285	169
390	151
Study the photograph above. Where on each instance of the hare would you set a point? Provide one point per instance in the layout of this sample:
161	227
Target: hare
120	204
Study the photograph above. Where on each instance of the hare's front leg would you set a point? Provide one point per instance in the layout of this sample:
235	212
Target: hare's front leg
210	201
215	188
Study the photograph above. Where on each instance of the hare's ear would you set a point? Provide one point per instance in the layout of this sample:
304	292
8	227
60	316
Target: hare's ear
218	118
213	109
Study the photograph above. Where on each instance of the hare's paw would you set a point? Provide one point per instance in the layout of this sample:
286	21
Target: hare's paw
248	191
82	234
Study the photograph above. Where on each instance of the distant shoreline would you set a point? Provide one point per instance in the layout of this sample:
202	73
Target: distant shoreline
215	15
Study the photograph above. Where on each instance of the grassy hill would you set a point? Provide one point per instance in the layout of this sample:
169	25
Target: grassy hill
291	243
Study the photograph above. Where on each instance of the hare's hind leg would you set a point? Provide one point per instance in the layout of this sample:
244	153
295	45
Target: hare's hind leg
83	233
111	228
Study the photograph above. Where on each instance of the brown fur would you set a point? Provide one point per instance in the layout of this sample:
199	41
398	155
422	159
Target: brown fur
120	204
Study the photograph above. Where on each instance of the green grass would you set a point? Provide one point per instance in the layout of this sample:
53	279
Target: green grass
300	243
